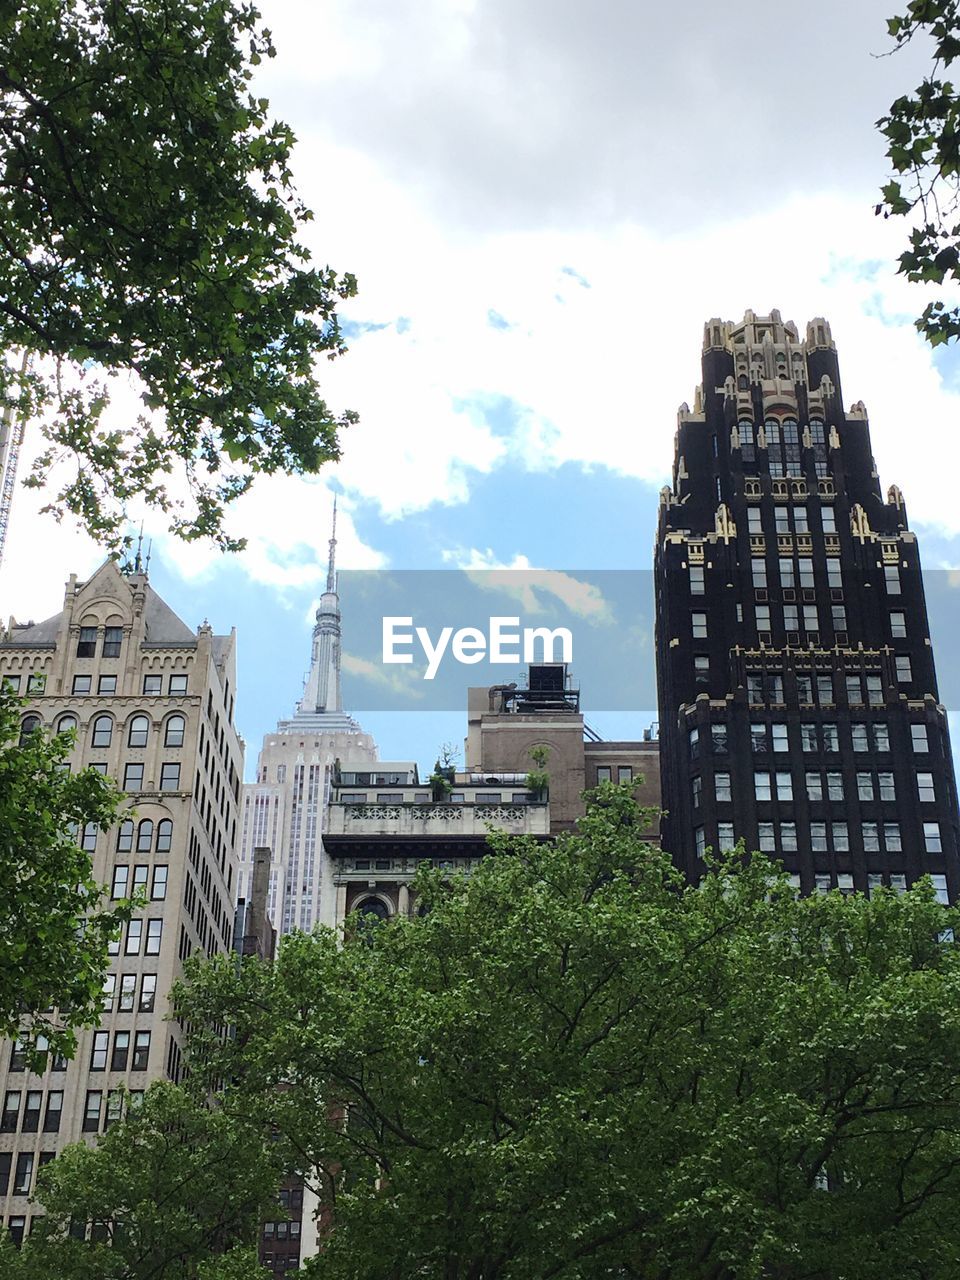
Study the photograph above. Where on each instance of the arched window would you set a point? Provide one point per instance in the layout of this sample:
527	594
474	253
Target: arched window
173	737
372	910
145	836
125	836
102	732
164	835
66	723
28	725
139	732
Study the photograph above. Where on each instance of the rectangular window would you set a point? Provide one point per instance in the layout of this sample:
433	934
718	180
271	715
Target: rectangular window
722	786
801	522
154	933
169	777
806	574
784	786
904	669
811	618
786	573
918	737
24	1174
818	837
121	876
874	882
114	1108
761	786
781	519
758	568
153	686
701	841
814	786
865	786
696	581
754	520
779	735
828	518
11	1111
925	788
881	737
98	1051
81	684
758	738
858	733
158	890
871	837
698	622
834	786
87	642
875	691
805	689
51	1118
831	738
931	837
776	689
891	837
604	774
838	615
148	992
36	683
898	624
834	577
940	892
768	841
841	837
112	637
718	737
134	935
825	691
888	788
140	874
121	1051
624	773
91	1111
133	777
128	991
788	837
898	883
763	617
107	685
854	691
696	789
725	833
694	740
891	577
177	686
755	689
808	737
141	1051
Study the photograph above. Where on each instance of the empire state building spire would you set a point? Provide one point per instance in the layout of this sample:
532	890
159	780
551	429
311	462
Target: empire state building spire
321	702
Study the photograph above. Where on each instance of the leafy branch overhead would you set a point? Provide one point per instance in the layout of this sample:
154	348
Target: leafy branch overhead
922	131
149	227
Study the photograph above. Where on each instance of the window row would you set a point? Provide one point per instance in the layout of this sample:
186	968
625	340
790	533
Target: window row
152	685
29	1111
126	886
782	837
125	992
87	642
18	1055
792	519
775	737
95	1113
136	937
169	776
605	773
144	836
138	730
129	1049
21	1183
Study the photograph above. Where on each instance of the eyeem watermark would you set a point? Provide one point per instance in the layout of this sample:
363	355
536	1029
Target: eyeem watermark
504	643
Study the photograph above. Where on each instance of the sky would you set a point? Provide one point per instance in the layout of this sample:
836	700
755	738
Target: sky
544	201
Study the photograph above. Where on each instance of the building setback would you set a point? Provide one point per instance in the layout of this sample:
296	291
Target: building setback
798	698
151	703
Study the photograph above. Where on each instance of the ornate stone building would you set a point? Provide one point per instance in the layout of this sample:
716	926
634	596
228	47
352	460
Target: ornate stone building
798	697
151	703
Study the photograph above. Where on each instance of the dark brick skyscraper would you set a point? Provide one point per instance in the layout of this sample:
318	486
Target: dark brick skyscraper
798	697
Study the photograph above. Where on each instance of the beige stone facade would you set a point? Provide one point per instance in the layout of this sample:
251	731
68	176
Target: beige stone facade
151	702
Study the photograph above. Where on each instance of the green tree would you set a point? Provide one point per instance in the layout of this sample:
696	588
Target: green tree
573	1065
175	1191
922	131
149	226
54	928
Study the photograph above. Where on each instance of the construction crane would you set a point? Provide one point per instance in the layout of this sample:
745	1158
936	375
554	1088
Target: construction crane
12	428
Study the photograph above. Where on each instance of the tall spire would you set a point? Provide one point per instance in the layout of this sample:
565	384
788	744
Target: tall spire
321	702
332	557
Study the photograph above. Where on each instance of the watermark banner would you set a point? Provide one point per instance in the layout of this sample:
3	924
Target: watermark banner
417	640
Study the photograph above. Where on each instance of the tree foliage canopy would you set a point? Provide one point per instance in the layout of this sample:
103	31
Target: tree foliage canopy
149	225
53	928
922	131
575	1066
175	1191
